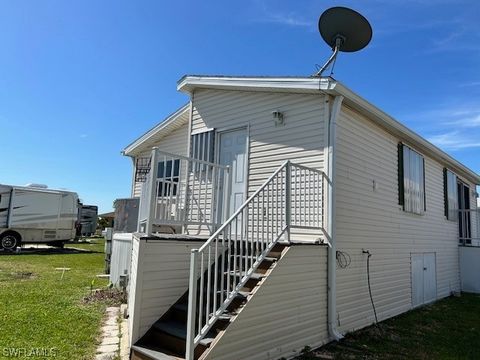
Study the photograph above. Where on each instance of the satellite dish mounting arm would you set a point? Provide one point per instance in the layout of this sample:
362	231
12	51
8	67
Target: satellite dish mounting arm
339	40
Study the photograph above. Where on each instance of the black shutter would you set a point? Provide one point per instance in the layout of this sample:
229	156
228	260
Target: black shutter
401	193
445	191
424	181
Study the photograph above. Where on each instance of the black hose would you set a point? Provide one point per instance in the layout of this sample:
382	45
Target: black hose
369	287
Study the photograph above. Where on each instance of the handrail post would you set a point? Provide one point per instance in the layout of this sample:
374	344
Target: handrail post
288	198
152	192
192	306
227	193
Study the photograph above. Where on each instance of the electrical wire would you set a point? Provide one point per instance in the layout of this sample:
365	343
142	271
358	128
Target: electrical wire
369	287
343	259
333	66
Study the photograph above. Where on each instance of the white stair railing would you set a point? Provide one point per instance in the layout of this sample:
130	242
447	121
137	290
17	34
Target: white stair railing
469	227
291	198
183	191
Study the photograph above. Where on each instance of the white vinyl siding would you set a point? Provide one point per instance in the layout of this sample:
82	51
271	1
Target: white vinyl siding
301	139
176	143
413	181
121	257
286	313
369	217
160	271
451	195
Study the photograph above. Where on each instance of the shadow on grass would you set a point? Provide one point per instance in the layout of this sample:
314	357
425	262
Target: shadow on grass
446	329
49	251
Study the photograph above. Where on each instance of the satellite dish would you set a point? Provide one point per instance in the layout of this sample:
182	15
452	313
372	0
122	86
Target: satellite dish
344	30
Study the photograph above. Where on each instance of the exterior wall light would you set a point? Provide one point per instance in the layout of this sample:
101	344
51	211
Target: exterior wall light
278	117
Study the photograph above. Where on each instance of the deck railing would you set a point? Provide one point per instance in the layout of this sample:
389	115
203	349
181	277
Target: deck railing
183	191
291	198
469	227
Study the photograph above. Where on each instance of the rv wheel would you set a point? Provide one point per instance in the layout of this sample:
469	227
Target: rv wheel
9	241
58	244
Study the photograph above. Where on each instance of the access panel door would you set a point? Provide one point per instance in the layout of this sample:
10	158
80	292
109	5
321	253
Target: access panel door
417	279
429	278
424	280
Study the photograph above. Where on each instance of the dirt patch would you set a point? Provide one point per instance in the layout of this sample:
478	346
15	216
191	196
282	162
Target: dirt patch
111	297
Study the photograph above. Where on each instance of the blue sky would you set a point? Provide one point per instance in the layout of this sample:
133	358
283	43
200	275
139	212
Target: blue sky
79	80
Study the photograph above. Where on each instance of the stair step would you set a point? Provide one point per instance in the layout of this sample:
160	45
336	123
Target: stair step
143	353
225	317
267	258
244	294
275	254
206	341
255	276
174	328
271	259
179	330
181	307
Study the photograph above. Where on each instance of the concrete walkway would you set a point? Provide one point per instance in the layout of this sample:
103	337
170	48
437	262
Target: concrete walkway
110	346
114	336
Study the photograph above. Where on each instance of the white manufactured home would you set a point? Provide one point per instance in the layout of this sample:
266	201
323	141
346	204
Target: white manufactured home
262	200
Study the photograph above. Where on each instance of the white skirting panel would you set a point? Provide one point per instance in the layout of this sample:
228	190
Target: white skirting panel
470	269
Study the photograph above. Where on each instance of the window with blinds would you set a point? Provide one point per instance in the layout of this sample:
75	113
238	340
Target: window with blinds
451	195
411	180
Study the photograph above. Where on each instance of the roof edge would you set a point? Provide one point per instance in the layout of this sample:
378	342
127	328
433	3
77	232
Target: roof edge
189	82
404	133
328	85
127	151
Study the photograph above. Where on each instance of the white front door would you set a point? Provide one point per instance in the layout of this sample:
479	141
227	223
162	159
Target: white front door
424	280
233	152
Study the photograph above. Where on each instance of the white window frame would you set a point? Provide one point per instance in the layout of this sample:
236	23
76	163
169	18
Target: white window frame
169	178
203	145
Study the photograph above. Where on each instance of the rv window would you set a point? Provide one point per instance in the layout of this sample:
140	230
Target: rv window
451	195
411	180
169	173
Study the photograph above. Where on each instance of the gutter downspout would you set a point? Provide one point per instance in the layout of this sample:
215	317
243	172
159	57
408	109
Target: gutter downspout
331	223
134	171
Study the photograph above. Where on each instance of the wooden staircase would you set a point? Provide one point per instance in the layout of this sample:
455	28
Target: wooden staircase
228	268
166	339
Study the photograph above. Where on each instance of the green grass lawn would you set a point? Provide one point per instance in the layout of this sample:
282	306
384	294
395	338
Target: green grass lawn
448	329
40	309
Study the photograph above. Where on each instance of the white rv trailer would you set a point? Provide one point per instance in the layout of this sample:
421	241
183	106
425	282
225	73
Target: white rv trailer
88	217
31	214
